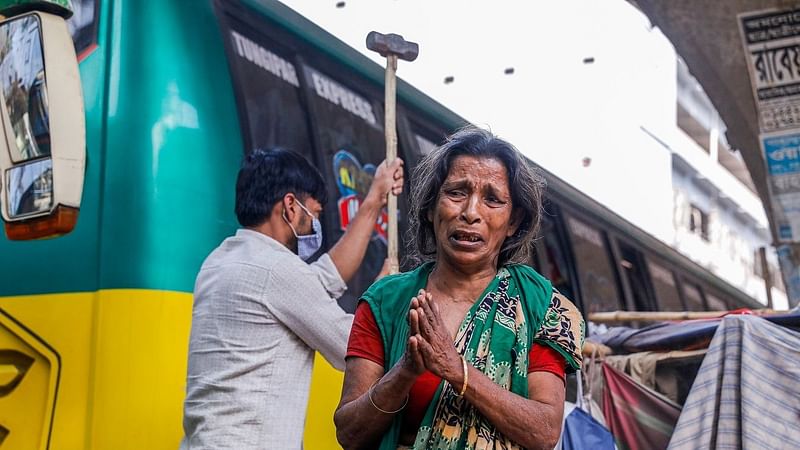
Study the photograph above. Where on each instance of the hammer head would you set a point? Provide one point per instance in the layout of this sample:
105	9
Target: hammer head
392	44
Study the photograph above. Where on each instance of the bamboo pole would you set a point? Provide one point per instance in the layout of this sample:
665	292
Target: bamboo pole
594	348
660	316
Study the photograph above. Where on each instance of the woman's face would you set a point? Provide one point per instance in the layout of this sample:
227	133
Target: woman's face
473	213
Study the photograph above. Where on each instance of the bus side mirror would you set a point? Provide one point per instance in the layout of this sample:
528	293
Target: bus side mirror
43	140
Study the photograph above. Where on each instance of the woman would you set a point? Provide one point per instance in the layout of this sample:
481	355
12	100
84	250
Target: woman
468	350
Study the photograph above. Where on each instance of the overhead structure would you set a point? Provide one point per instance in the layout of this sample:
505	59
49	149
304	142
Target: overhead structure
706	34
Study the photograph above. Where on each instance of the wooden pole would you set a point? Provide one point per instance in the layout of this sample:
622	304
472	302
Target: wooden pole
596	349
391	154
762	253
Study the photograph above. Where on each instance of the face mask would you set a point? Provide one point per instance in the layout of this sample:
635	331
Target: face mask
309	244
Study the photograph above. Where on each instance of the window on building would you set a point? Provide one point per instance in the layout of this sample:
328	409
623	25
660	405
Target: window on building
732	160
774	271
698	222
693	128
775	276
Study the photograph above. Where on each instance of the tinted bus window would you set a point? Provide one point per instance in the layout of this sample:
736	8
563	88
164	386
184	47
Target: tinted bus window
425	138
425	146
665	288
552	261
83	24
596	274
348	127
693	297
268	93
715	303
633	269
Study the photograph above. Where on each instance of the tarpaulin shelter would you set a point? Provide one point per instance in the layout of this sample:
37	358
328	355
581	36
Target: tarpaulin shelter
669	336
747	392
744	388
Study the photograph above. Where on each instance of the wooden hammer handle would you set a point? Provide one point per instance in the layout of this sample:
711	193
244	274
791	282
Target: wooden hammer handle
391	154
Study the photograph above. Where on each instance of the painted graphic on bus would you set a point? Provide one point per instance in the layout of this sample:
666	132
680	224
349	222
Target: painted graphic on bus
353	181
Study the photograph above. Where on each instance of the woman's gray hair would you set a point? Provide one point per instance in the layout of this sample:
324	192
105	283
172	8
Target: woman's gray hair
525	184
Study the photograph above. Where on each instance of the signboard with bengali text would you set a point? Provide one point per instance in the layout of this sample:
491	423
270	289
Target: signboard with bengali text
771	40
782	154
772	48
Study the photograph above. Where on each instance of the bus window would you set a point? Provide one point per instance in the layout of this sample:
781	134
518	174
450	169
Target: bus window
83	25
595	272
693	297
715	303
348	130
425	146
551	260
633	270
665	288
425	138
267	92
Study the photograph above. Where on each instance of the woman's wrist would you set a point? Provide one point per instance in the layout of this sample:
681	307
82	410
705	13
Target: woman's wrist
455	373
406	370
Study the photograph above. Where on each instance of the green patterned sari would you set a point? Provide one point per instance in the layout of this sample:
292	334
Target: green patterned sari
518	307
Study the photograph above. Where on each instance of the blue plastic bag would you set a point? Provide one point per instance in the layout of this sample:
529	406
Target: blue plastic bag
582	432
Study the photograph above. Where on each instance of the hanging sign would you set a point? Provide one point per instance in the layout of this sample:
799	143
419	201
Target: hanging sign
772	48
771	41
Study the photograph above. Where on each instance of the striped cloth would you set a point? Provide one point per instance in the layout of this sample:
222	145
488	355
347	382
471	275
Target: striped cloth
747	392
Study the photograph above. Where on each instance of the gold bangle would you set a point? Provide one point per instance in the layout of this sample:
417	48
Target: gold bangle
369	395
466	378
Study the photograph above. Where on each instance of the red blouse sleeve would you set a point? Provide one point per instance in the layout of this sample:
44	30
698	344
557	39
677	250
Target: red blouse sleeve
543	358
366	342
365	337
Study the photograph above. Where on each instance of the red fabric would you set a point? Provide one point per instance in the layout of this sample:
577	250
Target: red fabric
365	337
365	342
637	416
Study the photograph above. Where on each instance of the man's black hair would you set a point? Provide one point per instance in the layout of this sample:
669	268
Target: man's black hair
266	176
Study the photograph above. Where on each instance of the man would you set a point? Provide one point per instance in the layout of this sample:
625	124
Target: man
260	312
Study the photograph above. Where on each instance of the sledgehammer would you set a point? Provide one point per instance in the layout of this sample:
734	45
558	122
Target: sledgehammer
392	46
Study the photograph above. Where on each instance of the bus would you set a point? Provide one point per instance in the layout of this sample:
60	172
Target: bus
94	324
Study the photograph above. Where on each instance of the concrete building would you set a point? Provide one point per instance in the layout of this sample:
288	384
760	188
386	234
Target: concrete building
718	219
